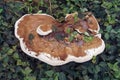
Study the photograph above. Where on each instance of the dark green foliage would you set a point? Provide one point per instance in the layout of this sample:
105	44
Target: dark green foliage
72	36
88	38
16	65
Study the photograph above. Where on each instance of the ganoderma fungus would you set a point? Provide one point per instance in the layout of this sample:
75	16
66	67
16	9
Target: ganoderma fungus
76	39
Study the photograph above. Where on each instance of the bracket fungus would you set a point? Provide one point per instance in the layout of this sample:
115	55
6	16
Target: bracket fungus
56	43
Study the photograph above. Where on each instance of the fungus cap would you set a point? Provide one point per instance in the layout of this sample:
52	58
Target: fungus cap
33	25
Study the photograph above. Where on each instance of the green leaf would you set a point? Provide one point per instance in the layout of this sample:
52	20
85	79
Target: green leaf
19	62
10	51
109	28
30	0
86	77
86	33
107	5
111	19
44	79
50	78
62	76
5	61
74	33
88	38
97	69
68	30
94	59
56	78
15	56
116	67
41	2
102	64
75	17
27	71
84	72
83	9
117	74
39	12
113	31
107	36
71	38
1	10
29	77
49	73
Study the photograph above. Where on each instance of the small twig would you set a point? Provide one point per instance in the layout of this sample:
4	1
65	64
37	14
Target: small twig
50	6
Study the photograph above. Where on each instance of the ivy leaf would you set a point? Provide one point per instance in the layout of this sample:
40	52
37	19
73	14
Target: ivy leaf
27	71
71	38
83	9
30	78
1	10
39	12
109	28
19	62
97	69
107	36
30	0
116	67
102	64
56	78
44	78
49	73
16	56
117	74
68	30
75	17
87	34
62	76
88	38
94	59
74	33
10	51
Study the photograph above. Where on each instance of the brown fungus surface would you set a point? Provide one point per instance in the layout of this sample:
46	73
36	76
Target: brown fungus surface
71	37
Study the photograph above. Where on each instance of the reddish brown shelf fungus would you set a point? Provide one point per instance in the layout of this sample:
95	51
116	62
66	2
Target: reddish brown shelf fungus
76	39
